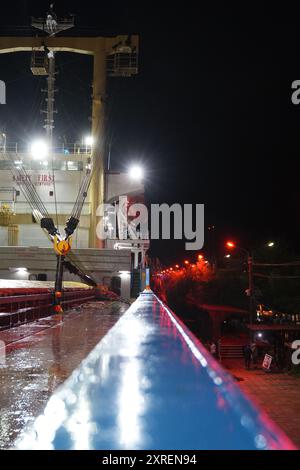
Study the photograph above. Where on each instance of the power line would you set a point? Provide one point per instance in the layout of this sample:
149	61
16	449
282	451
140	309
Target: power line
291	263
275	276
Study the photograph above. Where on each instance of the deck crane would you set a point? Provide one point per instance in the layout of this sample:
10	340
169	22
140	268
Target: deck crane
61	243
121	61
43	63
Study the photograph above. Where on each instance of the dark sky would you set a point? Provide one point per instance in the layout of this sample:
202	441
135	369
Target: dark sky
210	114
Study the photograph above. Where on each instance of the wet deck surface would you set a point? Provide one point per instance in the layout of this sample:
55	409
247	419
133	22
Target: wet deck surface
40	356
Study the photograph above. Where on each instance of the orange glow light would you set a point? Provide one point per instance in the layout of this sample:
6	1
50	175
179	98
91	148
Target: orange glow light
186	262
177	266
200	256
230	244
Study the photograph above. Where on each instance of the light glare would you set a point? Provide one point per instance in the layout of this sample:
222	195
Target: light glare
39	150
136	172
89	141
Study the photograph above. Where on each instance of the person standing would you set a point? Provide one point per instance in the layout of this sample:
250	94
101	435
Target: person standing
213	349
254	353
247	356
51	19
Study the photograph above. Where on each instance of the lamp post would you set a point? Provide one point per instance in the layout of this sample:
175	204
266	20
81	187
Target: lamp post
232	245
250	276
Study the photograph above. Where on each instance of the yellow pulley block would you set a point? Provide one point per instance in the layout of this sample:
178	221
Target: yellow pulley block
62	247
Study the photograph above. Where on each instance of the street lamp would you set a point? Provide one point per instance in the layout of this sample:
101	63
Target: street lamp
270	244
232	245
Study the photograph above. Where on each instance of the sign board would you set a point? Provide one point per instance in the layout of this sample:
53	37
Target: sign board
267	362
38	179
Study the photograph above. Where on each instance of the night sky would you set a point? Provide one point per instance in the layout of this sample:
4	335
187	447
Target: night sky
210	114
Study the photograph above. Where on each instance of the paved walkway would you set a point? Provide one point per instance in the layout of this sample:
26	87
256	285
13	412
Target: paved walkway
41	355
277	393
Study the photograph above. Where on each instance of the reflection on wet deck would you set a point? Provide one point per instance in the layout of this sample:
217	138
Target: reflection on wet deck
41	355
149	384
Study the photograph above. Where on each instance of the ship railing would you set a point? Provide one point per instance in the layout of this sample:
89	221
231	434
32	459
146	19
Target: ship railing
151	384
63	149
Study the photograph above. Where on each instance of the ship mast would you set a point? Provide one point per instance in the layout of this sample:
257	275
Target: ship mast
50	100
50	25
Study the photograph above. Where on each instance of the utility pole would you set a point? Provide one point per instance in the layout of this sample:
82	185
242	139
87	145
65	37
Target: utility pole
249	291
212	246
250	287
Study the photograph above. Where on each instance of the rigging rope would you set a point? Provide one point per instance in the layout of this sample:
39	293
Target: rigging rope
54	191
39	212
23	180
